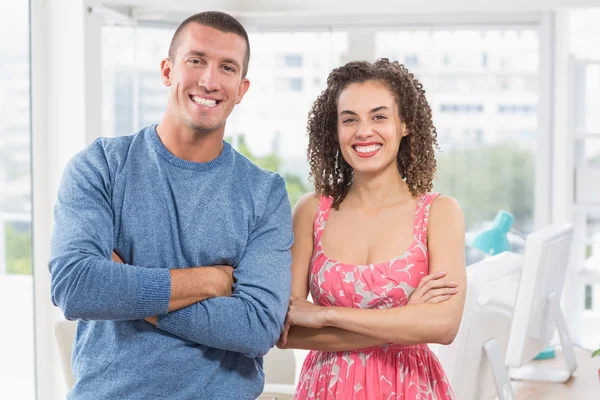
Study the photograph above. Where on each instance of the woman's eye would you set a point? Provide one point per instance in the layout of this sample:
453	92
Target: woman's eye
380	117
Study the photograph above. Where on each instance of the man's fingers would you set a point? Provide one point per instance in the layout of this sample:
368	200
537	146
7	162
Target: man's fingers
116	258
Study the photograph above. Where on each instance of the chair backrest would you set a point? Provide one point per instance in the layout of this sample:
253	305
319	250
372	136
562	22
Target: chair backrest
282	369
65	336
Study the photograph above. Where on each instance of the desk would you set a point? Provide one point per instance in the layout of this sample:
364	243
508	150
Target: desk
583	385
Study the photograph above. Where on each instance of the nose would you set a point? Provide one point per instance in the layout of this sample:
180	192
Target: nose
209	79
364	131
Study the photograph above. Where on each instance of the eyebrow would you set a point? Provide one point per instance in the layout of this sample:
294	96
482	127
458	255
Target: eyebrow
203	54
376	109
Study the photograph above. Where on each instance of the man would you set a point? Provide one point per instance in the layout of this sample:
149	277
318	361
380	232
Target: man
187	214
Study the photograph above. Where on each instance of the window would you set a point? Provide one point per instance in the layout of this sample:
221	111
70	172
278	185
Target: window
516	109
272	129
16	280
288	84
484	168
461	108
411	60
291	60
133	93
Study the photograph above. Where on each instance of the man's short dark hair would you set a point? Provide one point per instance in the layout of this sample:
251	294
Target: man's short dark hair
218	20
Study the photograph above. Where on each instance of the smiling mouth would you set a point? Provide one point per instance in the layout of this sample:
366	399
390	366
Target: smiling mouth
370	149
210	103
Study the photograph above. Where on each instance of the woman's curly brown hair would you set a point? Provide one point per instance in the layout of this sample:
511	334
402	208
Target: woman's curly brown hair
331	174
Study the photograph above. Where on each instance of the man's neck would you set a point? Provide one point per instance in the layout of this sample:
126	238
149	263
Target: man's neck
189	145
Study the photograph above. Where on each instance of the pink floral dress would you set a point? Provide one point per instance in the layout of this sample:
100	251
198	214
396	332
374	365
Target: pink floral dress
385	372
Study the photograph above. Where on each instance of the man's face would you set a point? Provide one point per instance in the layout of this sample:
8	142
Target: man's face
205	78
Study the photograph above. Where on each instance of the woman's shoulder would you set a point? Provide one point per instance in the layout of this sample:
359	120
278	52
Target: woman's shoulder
445	210
307	204
443	203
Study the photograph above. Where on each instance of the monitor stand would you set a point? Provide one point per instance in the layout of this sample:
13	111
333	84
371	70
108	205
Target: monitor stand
503	387
558	375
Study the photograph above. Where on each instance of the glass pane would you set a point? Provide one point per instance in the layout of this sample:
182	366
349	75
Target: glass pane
287	73
591	319
587	101
482	88
590	152
133	95
584	32
16	281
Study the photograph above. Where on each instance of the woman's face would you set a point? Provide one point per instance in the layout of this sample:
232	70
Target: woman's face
369	127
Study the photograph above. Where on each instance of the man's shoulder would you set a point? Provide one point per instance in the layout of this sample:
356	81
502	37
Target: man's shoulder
108	149
251	172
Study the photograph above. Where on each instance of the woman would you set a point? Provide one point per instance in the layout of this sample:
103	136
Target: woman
382	256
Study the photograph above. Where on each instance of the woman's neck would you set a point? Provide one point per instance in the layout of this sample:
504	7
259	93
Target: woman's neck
382	190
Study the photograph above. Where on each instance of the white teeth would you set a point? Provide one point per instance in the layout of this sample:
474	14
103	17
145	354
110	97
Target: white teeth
204	102
367	149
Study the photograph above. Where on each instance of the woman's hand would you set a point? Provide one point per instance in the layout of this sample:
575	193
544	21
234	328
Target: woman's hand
433	289
304	313
282	342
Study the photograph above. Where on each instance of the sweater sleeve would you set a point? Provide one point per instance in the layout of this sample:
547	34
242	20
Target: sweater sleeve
85	283
251	319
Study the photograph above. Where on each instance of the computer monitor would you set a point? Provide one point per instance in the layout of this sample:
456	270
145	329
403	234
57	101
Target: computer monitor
537	309
474	362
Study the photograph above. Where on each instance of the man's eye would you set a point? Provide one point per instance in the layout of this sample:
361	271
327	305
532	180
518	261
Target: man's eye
228	68
380	117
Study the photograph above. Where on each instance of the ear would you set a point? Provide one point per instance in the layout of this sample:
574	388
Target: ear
242	89
404	130
166	69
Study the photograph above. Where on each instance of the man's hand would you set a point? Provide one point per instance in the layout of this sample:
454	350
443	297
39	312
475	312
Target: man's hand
116	258
433	289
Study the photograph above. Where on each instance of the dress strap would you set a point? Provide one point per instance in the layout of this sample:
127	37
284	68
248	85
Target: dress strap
422	216
321	216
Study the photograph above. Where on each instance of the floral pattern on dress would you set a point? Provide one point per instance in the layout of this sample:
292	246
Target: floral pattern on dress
384	372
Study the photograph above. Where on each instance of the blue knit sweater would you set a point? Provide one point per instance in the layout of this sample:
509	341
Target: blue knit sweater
159	212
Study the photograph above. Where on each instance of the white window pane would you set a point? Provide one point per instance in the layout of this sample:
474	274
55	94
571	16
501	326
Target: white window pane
16	281
133	95
482	88
587	102
269	125
591	324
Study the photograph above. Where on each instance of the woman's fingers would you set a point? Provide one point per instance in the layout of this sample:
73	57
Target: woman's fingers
446	291
438	299
432	277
